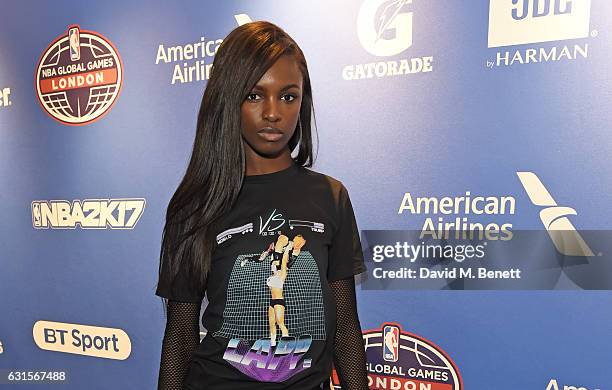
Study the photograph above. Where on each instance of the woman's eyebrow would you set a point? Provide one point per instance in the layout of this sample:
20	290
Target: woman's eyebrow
286	87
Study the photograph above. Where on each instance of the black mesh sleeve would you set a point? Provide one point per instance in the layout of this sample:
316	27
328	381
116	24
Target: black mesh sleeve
181	337
349	349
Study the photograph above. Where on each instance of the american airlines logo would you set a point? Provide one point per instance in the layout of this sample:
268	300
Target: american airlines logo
88	213
192	61
515	22
554	385
563	234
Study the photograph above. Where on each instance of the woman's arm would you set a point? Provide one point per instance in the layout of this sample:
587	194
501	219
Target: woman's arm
181	337
349	350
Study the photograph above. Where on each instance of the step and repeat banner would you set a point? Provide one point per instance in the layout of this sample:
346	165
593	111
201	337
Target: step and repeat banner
473	137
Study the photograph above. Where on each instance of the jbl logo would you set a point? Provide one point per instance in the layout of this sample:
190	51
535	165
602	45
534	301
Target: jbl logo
515	22
539	8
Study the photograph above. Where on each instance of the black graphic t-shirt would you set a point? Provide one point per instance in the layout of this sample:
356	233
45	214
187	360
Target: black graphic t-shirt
271	314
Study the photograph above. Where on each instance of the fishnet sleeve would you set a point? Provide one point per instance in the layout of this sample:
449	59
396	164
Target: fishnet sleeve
349	349
181	337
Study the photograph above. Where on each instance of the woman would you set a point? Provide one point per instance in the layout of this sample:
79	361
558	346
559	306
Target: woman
242	187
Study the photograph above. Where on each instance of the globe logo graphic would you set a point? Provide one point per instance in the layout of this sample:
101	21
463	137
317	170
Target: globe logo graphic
79	77
401	360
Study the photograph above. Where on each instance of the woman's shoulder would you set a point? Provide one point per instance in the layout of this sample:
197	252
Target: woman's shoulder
334	183
327	183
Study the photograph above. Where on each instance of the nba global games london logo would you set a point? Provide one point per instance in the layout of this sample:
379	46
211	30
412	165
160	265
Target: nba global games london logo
78	77
402	360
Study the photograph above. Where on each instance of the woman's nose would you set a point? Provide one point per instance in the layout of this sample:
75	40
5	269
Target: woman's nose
271	110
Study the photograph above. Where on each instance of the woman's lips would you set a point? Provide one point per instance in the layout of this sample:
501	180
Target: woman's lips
270	134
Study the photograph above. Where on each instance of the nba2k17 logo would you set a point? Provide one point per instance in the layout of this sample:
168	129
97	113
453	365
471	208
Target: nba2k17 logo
88	214
79	77
402	360
563	234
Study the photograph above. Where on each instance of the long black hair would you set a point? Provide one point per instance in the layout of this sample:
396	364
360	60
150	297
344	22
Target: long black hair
216	169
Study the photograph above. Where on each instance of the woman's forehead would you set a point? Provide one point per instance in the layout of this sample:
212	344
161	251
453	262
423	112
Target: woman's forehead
283	74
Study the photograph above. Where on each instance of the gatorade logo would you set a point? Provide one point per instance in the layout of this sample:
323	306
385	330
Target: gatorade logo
384	27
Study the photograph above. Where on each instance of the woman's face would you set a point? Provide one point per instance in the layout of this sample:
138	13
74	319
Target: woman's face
271	110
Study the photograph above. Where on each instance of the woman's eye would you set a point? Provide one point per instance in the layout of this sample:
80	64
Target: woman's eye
254	96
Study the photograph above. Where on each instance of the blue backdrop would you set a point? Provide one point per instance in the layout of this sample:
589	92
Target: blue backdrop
470	107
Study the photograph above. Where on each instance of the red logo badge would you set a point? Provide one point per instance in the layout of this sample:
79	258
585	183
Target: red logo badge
79	77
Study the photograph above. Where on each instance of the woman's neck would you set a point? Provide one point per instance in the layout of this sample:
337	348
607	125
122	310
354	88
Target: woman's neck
258	165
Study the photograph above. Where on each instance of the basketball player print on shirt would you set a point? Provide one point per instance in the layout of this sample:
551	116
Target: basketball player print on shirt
274	309
281	255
